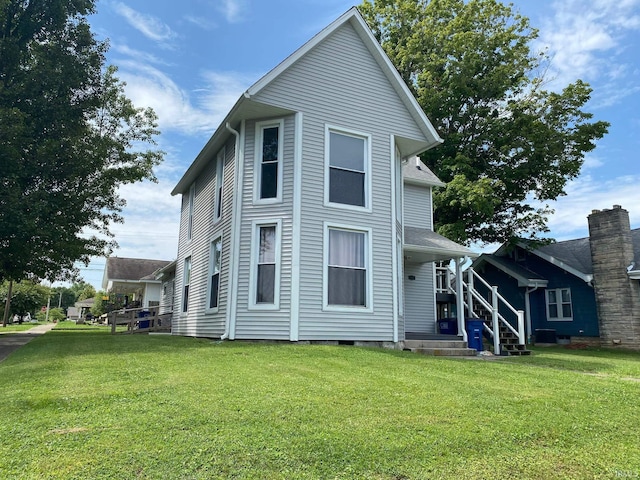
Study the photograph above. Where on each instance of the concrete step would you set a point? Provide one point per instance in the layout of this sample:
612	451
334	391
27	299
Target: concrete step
446	352
435	344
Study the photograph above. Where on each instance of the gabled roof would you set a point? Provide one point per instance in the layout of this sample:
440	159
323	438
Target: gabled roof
417	173
524	276
120	269
246	107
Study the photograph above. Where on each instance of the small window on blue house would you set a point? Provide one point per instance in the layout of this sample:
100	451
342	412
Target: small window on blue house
559	305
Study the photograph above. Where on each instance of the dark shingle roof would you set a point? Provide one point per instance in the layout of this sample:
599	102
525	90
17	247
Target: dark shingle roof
119	268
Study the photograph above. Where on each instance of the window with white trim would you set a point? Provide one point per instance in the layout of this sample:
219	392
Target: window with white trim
215	264
268	162
265	269
348	160
347	268
219	183
559	304
186	279
192	197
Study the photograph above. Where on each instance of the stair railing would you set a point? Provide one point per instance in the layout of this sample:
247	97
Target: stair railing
496	317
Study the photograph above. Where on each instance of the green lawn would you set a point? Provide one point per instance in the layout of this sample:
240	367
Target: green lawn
18	327
85	404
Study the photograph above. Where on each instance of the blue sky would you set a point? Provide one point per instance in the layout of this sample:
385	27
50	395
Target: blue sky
191	60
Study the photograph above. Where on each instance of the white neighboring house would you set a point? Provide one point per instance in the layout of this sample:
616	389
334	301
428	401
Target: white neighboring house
132	281
307	216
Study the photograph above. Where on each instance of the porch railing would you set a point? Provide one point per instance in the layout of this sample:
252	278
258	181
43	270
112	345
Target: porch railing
493	304
139	320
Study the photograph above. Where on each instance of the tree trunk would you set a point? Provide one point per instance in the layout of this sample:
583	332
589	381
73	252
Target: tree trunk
7	304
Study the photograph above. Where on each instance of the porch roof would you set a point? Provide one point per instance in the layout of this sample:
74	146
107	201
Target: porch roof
424	245
524	276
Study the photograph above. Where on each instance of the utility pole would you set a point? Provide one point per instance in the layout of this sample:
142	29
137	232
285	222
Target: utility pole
7	304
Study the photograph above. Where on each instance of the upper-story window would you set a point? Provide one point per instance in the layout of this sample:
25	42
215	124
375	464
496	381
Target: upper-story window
186	280
559	304
192	198
215	265
347	180
268	161
219	183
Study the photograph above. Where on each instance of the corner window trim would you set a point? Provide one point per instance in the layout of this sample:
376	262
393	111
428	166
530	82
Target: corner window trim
558	303
328	129
258	163
368	263
219	191
253	275
212	266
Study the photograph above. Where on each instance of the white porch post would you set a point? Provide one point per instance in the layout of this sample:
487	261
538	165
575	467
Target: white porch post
494	323
460	300
527	313
470	288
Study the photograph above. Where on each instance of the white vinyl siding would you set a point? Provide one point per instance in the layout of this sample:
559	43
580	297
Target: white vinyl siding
200	320
192	197
419	310
417	206
334	85
269	148
559	308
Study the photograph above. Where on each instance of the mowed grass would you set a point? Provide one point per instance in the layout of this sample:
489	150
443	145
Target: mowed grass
84	404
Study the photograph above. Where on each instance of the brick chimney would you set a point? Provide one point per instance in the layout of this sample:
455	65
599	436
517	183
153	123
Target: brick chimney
611	254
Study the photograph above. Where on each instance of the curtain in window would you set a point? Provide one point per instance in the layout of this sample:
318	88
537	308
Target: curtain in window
265	291
347	273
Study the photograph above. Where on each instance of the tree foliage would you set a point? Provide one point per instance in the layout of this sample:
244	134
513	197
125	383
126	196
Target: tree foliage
69	138
509	144
26	297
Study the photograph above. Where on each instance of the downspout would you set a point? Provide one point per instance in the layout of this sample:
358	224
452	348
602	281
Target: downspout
230	311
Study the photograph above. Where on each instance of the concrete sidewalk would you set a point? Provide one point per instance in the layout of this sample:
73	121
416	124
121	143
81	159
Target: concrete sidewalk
12	341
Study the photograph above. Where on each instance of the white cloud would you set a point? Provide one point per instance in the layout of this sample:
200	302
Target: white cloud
148	86
232	9
584	39
138	54
200	22
589	193
150	26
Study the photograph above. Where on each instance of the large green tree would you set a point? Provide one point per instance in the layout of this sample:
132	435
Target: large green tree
509	144
69	138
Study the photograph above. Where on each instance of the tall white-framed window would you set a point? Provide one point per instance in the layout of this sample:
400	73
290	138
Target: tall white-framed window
347	169
264	288
268	161
398	184
217	213
215	265
192	199
186	280
559	305
347	272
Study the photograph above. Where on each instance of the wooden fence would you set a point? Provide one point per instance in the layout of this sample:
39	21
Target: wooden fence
139	320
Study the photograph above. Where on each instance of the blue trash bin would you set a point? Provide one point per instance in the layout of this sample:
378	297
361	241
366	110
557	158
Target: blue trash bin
143	323
474	328
448	326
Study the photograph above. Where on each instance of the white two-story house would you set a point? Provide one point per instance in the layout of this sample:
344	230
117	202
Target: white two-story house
307	215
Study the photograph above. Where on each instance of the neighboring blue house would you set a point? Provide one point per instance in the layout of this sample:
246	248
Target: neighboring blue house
556	285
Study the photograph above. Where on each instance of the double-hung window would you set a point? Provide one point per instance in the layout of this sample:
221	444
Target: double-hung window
186	279
219	183
347	181
192	198
347	274
268	162
265	270
215	263
559	304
